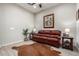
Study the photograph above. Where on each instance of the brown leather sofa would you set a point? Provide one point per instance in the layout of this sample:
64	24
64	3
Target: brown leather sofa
51	37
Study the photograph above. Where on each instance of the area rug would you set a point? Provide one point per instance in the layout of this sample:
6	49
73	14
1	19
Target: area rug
36	49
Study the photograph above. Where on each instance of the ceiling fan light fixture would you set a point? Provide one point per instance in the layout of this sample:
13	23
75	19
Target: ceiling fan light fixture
34	6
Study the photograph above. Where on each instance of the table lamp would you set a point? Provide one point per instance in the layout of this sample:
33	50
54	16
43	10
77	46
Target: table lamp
34	30
67	31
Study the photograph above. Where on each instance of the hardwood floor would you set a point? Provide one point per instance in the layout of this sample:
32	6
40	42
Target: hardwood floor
8	51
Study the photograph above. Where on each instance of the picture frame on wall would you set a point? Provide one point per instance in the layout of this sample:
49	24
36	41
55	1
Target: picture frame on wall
48	21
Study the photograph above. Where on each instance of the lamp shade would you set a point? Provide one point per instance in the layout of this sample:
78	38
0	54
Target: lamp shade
67	30
34	30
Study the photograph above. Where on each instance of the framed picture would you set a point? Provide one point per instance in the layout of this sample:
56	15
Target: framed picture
77	15
48	21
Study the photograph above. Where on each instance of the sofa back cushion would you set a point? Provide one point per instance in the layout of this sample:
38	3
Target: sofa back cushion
52	32
48	35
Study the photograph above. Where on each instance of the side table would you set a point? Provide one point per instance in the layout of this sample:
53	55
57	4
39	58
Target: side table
67	42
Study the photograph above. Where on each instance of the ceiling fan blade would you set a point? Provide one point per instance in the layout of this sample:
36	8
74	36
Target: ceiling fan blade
31	3
40	5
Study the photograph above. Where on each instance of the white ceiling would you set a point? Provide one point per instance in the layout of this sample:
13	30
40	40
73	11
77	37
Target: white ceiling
36	10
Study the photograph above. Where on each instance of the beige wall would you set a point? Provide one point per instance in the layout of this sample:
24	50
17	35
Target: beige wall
13	16
64	17
12	21
77	28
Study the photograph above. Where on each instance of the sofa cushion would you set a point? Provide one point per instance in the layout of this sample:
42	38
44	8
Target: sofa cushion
54	39
52	32
46	35
55	32
54	36
43	37
39	37
44	31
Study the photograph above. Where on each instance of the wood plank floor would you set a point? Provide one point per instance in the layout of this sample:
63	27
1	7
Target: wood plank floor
8	51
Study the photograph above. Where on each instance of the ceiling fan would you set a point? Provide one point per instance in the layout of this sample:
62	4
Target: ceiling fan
33	4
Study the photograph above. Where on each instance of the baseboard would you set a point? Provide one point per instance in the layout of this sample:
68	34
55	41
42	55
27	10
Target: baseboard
11	43
77	47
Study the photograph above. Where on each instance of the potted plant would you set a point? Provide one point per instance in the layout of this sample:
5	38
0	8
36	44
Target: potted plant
25	32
